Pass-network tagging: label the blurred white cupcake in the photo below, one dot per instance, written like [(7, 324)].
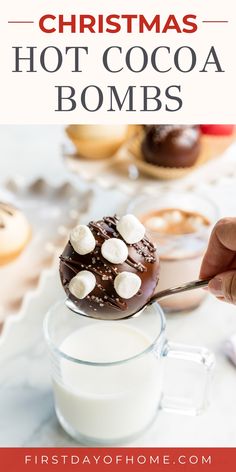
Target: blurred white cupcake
[(97, 141), (15, 232)]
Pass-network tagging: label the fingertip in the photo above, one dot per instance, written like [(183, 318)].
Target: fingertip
[(215, 286)]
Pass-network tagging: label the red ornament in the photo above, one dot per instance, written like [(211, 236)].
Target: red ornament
[(217, 130)]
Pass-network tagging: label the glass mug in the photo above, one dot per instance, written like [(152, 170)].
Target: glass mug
[(108, 375), (180, 255)]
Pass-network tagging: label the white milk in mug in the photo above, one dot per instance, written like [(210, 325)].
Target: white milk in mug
[(108, 375), (116, 398)]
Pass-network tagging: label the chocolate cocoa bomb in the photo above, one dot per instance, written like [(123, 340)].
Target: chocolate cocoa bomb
[(171, 145), (142, 260)]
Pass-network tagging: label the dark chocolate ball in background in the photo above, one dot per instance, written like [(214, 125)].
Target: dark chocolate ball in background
[(171, 145), (142, 260)]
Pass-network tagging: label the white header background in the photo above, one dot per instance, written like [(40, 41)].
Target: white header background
[(32, 97)]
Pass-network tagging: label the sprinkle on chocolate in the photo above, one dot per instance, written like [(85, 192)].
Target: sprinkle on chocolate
[(142, 260)]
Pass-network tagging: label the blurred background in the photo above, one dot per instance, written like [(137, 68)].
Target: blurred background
[(179, 180)]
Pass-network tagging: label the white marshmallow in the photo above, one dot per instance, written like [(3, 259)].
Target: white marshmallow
[(127, 284), (156, 223), (82, 240), (173, 217), (130, 229), (82, 284), (196, 222), (114, 250)]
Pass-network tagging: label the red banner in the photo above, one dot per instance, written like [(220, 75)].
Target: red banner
[(118, 459)]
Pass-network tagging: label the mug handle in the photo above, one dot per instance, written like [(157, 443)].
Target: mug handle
[(198, 355)]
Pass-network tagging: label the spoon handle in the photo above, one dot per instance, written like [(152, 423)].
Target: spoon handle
[(182, 288)]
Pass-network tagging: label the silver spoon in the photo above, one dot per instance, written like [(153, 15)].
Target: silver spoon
[(158, 296)]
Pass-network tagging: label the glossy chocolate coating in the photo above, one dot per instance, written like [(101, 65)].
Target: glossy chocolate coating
[(142, 260), (171, 145)]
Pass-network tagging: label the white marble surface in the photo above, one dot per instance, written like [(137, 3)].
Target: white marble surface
[(27, 416)]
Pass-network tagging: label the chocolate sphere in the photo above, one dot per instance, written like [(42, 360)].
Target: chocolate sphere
[(171, 145), (142, 260)]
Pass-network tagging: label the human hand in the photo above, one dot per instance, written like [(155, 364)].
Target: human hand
[(219, 261)]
